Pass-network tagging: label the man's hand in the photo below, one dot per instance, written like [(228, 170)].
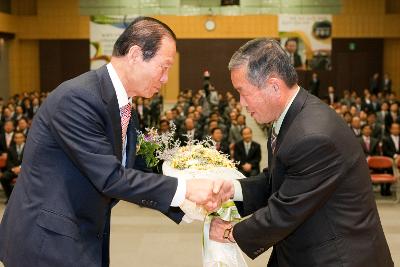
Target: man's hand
[(247, 167), (224, 189), (16, 170), (221, 231), (201, 191), (209, 193)]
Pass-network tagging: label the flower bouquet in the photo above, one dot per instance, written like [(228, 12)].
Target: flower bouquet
[(199, 160)]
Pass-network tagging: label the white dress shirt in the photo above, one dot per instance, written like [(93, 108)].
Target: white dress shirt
[(9, 138), (395, 141), (238, 195), (247, 146), (123, 100)]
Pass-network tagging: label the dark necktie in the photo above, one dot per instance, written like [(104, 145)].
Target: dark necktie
[(367, 144), (273, 139)]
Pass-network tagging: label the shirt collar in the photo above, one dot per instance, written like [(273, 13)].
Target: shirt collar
[(278, 123), (122, 96)]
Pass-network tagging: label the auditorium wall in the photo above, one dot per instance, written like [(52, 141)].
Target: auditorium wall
[(60, 20)]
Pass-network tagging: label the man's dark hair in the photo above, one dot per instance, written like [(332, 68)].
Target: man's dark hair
[(23, 119), (365, 125), (215, 129), (290, 40), (264, 58), (210, 121), (144, 32), (18, 132), (164, 121), (244, 128)]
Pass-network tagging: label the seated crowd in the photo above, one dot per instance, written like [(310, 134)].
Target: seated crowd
[(374, 119), (195, 116)]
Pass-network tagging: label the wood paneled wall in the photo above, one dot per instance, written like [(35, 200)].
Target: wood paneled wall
[(391, 61), (24, 66), (61, 60), (7, 23)]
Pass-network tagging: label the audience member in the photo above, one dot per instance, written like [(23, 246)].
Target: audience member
[(14, 160), (248, 153), (369, 144)]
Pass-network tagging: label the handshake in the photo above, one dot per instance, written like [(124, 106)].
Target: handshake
[(209, 194)]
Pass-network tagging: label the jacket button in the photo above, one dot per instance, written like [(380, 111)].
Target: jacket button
[(98, 236)]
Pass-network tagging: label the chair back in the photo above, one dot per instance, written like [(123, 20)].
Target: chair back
[(3, 162), (380, 162)]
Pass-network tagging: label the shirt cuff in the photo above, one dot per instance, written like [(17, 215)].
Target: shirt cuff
[(180, 193), (238, 195)]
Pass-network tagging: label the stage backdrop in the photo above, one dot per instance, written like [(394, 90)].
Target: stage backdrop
[(314, 38)]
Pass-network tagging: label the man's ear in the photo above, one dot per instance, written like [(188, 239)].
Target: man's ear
[(273, 83), (134, 54)]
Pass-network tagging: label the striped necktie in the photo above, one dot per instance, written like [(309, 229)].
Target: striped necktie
[(125, 117), (273, 139)]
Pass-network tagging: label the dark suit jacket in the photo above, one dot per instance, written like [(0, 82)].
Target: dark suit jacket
[(389, 120), (3, 143), (388, 147), (224, 148), (71, 176), (184, 139), (297, 60), (315, 204), (367, 107), (328, 99), (355, 133), (13, 159), (253, 157), (373, 146), (377, 130), (313, 87)]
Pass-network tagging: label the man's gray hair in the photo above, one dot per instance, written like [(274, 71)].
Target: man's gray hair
[(264, 58)]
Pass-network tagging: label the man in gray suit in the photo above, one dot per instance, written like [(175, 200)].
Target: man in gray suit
[(314, 204), (80, 158)]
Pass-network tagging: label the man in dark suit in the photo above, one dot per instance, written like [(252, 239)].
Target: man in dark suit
[(377, 129), (392, 116), (313, 87), (331, 97), (386, 84), (189, 132), (14, 160), (221, 145), (391, 148), (80, 158), (369, 144), (248, 153), (356, 126), (315, 203), (291, 50), (7, 137)]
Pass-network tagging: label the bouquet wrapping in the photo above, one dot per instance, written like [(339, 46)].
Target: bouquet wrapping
[(198, 162)]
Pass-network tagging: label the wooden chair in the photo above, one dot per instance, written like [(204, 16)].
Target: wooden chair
[(379, 166), (3, 162)]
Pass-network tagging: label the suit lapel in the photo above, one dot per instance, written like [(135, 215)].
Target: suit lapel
[(294, 109), (250, 150), (110, 99)]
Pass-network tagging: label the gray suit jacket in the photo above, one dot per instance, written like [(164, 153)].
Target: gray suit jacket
[(71, 177), (314, 204)]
